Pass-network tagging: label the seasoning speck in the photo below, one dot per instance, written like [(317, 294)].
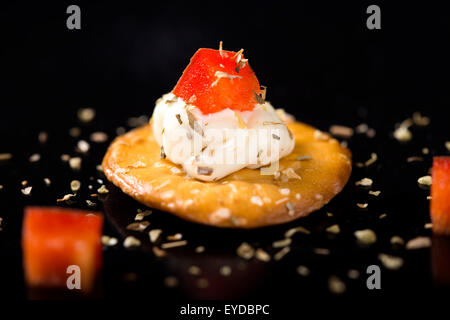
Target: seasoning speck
[(336, 285), (176, 236), (204, 171), (424, 181), (341, 131), (35, 157), (74, 132), (75, 185), (289, 233), (362, 128), (174, 244), (109, 241), (290, 207), (225, 271), (83, 146), (362, 205), (158, 252), (256, 200), (42, 137), (27, 191), (282, 243), (280, 254), (154, 235), (90, 203), (262, 255), (390, 262), (420, 120), (75, 163), (353, 274), (245, 251), (200, 249), (413, 159), (290, 173), (322, 251), (374, 193), (418, 243), (138, 226), (171, 282), (195, 270), (65, 157), (179, 119), (202, 283), (66, 197), (102, 190), (86, 115), (397, 241), (131, 241), (366, 236), (365, 182), (304, 158), (335, 229), (142, 214), (319, 135), (402, 134), (303, 271), (5, 156), (98, 137)]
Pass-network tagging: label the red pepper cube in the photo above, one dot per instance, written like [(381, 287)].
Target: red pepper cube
[(54, 239), (440, 195), (215, 80)]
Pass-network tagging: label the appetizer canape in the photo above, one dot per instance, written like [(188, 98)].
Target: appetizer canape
[(217, 153)]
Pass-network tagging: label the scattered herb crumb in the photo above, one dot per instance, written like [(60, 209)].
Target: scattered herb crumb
[(364, 182), (225, 271), (75, 163), (390, 262), (262, 255), (131, 241), (154, 235), (27, 191), (245, 251), (109, 241), (336, 285), (102, 190), (75, 185), (366, 236), (425, 181), (335, 229), (418, 243), (303, 271)]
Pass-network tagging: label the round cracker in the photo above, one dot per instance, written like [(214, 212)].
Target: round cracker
[(244, 199)]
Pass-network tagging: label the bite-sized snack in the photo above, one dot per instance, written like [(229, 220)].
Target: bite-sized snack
[(56, 242), (440, 195), (216, 113)]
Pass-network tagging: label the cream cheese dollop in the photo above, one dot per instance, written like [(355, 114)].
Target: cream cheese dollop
[(212, 146)]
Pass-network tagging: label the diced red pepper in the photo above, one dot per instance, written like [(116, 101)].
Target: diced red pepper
[(440, 195), (213, 81), (54, 239)]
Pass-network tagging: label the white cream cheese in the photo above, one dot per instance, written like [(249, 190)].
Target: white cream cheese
[(212, 146)]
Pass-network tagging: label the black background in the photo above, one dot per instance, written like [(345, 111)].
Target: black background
[(317, 58)]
